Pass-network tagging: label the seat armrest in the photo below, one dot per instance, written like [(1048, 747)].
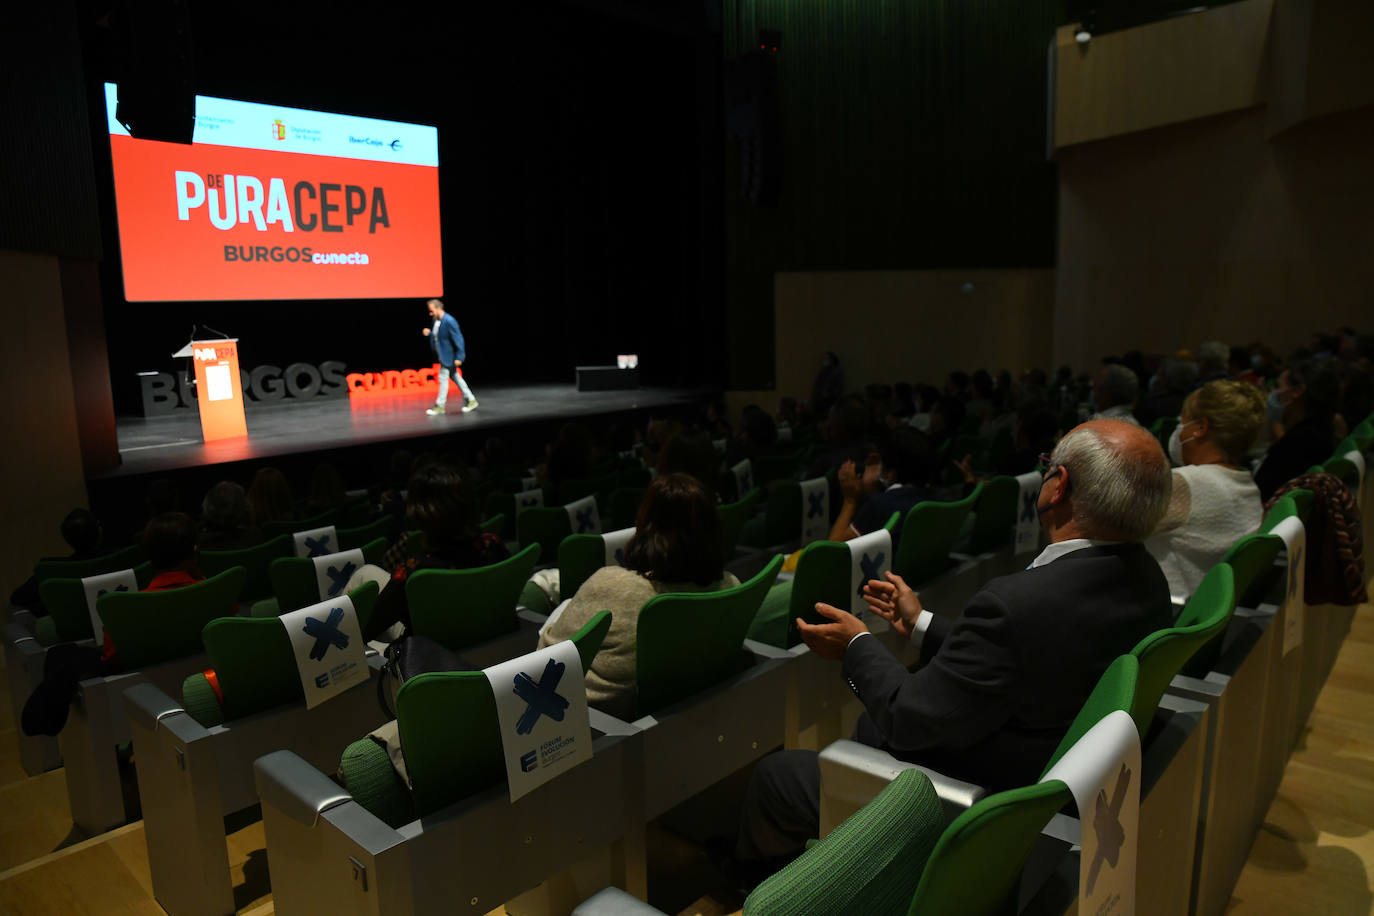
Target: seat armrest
[(294, 787), (148, 706), (764, 651), (609, 725), (21, 639), (528, 618), (22, 617), (852, 774), (612, 901)]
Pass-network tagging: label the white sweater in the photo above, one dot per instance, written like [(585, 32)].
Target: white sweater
[(1210, 509)]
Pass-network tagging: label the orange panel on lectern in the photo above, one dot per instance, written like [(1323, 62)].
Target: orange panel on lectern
[(219, 390)]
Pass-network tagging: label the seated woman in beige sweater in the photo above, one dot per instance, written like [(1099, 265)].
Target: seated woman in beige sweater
[(676, 547)]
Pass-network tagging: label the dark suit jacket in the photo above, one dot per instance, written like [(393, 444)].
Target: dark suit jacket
[(447, 344), (1000, 685)]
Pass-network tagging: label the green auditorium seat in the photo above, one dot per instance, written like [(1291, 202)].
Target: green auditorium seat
[(543, 526), (733, 516), (687, 642), (294, 585), (256, 561), (384, 527), (69, 619), (127, 558), (327, 517), (927, 535), (460, 608), (448, 728), (994, 515), (152, 627)]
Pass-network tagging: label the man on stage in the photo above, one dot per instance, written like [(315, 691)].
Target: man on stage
[(446, 340)]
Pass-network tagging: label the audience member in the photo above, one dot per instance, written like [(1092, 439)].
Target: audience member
[(691, 452), (327, 490), (1168, 387), (891, 481), (676, 547), (270, 497), (1001, 684), (1214, 499), (226, 519), (846, 428), (83, 534), (828, 387), (169, 543), (440, 504), (1212, 359), (1301, 411), (1240, 368), (1114, 393)]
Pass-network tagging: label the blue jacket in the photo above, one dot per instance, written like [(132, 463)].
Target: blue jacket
[(448, 343)]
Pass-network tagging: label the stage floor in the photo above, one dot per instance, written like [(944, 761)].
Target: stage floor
[(159, 444)]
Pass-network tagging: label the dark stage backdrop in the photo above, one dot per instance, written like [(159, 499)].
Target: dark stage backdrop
[(913, 136), (581, 187)]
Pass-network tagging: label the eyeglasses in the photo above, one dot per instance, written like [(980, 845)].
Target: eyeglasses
[(1043, 463)]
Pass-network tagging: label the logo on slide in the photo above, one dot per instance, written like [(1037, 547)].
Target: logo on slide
[(205, 354), (529, 761), (396, 146), (541, 697), (278, 130), (326, 633)]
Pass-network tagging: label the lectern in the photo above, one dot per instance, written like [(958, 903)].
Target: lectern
[(219, 389)]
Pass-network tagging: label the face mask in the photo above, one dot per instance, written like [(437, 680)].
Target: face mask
[(1256, 361), (1273, 407), (1176, 444)]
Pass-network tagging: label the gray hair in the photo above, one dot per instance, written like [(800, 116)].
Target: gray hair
[(1114, 494), (1213, 354), (1118, 385)]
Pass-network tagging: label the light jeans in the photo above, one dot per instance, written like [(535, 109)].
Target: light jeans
[(444, 373)]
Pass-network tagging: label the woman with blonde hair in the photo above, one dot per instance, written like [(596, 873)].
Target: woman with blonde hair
[(1215, 500)]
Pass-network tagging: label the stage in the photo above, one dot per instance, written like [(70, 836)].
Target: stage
[(162, 444)]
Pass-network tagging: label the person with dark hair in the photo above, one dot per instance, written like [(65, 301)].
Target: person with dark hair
[(226, 519), (1037, 428), (676, 547), (441, 505), (829, 384), (83, 534), (571, 456), (326, 489), (891, 481), (690, 452), (1302, 410), (270, 497), (170, 544), (846, 427)]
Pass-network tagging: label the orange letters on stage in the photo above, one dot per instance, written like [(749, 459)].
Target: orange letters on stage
[(393, 382), (219, 389)]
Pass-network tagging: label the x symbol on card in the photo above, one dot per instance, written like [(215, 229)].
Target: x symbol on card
[(105, 591), (317, 547), (1111, 835), (817, 501), (871, 567), (338, 578), (1028, 501), (584, 519)]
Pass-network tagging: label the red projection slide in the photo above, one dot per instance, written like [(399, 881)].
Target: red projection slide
[(278, 203)]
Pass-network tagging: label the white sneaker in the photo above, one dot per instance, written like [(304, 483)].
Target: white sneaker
[(471, 405), (436, 411)]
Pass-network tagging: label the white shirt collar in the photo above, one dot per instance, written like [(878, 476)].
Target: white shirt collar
[(1062, 548)]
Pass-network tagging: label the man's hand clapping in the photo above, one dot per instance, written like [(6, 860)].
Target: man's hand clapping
[(895, 602), (829, 640)]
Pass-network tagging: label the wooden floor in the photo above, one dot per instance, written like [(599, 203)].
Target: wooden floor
[(1314, 855)]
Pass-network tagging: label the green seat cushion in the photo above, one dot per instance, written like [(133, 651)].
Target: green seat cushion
[(370, 778), (199, 700)]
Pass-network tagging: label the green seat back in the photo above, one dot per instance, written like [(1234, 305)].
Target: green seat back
[(1345, 470), (866, 865), (500, 504), (994, 516), (356, 512), (1252, 562), (1302, 501), (976, 865), (366, 534), (459, 608), (65, 600), (495, 525), (1363, 434), (927, 535), (822, 574), (449, 730), (153, 627), (254, 662), (293, 578), (579, 555), (1163, 653), (1115, 692), (1284, 507), (545, 526), (733, 516), (975, 868), (127, 558), (623, 507), (768, 468), (256, 561), (687, 642), (599, 486), (289, 527)]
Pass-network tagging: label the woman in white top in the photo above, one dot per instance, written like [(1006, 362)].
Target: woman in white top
[(1215, 501)]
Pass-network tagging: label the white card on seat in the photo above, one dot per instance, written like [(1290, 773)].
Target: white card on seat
[(316, 542), (541, 707), (744, 477), (815, 500), (870, 556), (94, 586), (333, 570), (583, 516), (1102, 770), (615, 542), (1027, 518), (1295, 539), (329, 648)]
